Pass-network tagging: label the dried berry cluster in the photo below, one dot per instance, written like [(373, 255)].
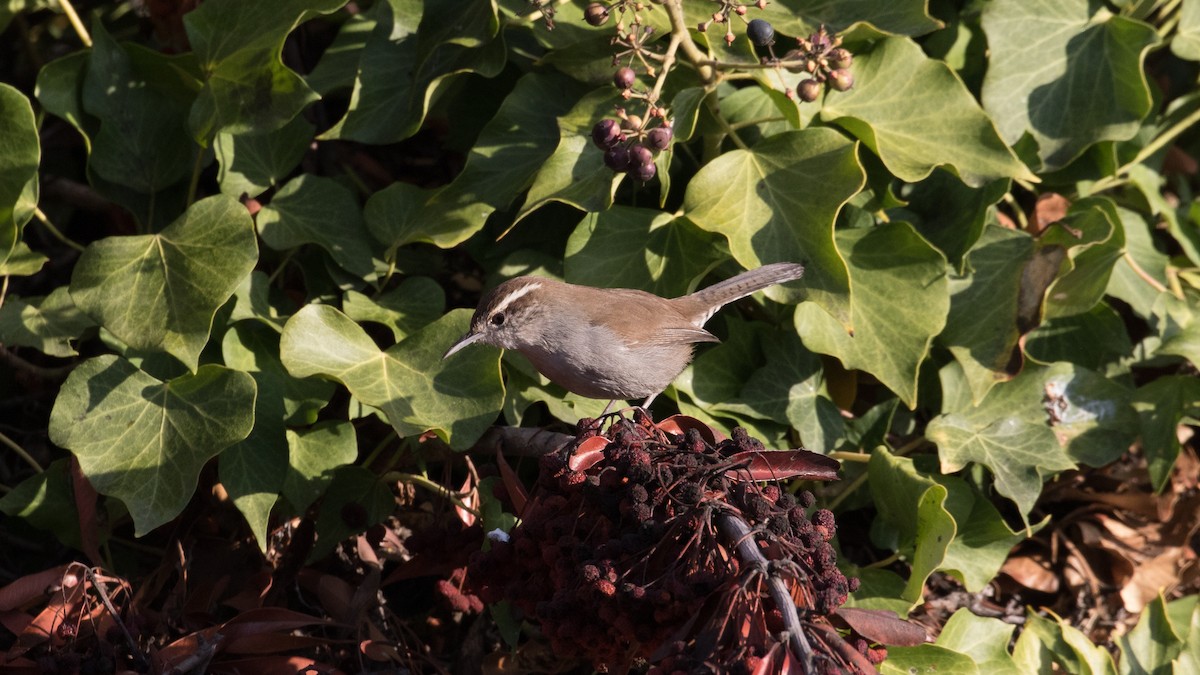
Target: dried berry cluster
[(821, 55), (639, 540)]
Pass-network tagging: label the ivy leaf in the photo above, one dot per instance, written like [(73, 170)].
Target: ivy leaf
[(1129, 284), (647, 249), (1093, 239), (417, 391), (144, 441), (313, 209), (1043, 421), (160, 291), (47, 324), (790, 389), (404, 65), (247, 89), (984, 540), (981, 330), (20, 154), (916, 115), (777, 202), (315, 453), (575, 173), (1186, 43), (1069, 73), (1161, 406), (252, 164), (405, 309), (890, 340), (1019, 454), (141, 99), (914, 506), (949, 214), (510, 150), (46, 501), (253, 470), (984, 639)]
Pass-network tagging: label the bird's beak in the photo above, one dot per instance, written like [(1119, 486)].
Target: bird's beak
[(463, 341)]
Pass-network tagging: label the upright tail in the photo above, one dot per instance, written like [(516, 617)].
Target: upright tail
[(744, 284)]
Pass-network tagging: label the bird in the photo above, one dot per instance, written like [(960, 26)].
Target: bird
[(607, 343)]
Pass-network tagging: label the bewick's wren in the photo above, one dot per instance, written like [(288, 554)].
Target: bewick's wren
[(614, 343)]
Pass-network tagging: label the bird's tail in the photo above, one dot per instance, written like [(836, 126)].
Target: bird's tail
[(744, 284)]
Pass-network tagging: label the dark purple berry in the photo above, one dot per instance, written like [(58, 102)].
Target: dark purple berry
[(624, 78), (606, 134), (595, 14), (640, 154), (809, 90), (617, 158), (659, 138), (841, 79), (760, 32), (642, 172)]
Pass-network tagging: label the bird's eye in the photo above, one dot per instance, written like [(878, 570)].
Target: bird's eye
[(498, 319)]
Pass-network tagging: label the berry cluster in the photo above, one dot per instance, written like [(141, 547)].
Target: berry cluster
[(629, 147), (729, 8), (641, 543), (821, 55)]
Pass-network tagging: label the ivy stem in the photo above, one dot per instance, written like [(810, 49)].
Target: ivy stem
[(21, 453), (194, 182), (884, 562), (73, 17), (41, 216), (1152, 147), (1145, 276), (729, 130), (679, 31), (454, 497)]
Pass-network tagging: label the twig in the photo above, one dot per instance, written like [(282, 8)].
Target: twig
[(21, 453), (73, 17)]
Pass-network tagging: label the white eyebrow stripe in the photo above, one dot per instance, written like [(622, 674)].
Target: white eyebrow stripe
[(515, 295)]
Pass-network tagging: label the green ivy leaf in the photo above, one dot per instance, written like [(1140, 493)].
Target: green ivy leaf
[(1129, 284), (984, 539), (510, 150), (1093, 339), (253, 470), (20, 154), (916, 115), (647, 249), (160, 292), (1041, 422), (314, 456), (904, 17), (1186, 42), (1067, 72), (141, 99), (981, 329), (575, 173), (252, 164), (355, 500), (247, 89), (415, 303), (144, 441), (1153, 644), (927, 660), (777, 202), (913, 505), (1064, 647), (46, 501), (339, 62), (1161, 404), (949, 214), (983, 639), (256, 299), (47, 324), (313, 209), (1093, 239), (412, 385), (890, 340), (22, 262), (404, 65), (789, 389)]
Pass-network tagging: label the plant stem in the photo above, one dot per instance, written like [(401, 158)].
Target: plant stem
[(21, 453), (679, 30), (73, 17), (1145, 276), (454, 497), (41, 216), (1152, 147)]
